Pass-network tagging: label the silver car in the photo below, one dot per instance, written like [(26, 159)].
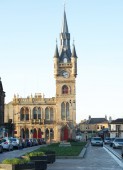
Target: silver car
[(15, 142), (117, 143), (6, 144), (96, 141)]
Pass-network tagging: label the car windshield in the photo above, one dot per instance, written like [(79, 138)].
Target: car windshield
[(107, 138), (96, 139), (119, 140), (13, 139)]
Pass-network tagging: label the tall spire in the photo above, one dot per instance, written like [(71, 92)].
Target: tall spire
[(65, 51), (64, 24)]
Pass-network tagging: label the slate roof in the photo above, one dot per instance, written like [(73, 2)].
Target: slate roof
[(97, 120), (117, 121)]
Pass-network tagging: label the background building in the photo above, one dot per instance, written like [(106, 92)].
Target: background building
[(94, 127)]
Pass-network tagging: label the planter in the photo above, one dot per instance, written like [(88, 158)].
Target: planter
[(51, 156), (40, 162), (27, 166)]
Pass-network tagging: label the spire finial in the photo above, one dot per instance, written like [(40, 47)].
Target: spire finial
[(64, 4), (56, 42), (73, 41)]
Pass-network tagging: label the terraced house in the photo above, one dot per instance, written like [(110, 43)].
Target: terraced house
[(50, 118)]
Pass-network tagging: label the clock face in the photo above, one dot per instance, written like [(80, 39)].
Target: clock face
[(65, 74)]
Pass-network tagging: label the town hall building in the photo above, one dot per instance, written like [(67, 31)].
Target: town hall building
[(51, 118)]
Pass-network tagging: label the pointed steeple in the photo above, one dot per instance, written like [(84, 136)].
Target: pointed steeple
[(65, 51), (64, 24), (1, 86), (74, 52), (56, 55)]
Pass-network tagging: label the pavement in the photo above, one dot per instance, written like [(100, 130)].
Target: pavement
[(91, 158)]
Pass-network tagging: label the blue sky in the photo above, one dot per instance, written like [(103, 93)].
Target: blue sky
[(28, 32)]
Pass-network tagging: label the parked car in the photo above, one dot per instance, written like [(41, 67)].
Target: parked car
[(15, 142), (34, 141), (7, 144), (1, 147), (107, 140), (111, 141), (117, 143), (43, 141), (39, 141), (96, 141), (28, 142)]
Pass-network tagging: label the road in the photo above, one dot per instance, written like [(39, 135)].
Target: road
[(96, 158)]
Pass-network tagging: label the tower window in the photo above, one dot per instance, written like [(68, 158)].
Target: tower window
[(65, 60), (64, 89), (65, 113)]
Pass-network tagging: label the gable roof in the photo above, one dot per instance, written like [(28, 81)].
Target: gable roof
[(97, 120), (117, 121)]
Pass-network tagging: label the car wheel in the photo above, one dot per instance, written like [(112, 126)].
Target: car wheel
[(1, 150), (9, 148), (114, 146)]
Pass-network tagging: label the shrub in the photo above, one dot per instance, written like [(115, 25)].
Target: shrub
[(15, 161), (36, 154)]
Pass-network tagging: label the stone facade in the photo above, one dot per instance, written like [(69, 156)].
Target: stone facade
[(51, 118)]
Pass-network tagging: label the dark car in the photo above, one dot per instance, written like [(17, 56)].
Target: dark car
[(39, 141), (28, 142), (43, 141)]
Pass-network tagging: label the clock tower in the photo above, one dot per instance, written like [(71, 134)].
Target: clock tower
[(65, 72)]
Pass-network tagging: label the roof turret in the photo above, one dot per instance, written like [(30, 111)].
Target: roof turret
[(74, 52), (1, 86), (56, 55)]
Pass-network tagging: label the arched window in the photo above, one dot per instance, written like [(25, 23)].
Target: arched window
[(26, 114), (67, 111), (65, 60), (39, 113), (22, 114), (51, 114), (64, 89), (63, 111), (35, 113), (47, 116)]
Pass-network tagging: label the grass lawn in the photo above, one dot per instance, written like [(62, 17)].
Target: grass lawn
[(74, 150)]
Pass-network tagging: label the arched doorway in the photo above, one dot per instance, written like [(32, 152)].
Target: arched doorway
[(35, 133), (47, 134), (64, 133), (27, 133), (39, 133)]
